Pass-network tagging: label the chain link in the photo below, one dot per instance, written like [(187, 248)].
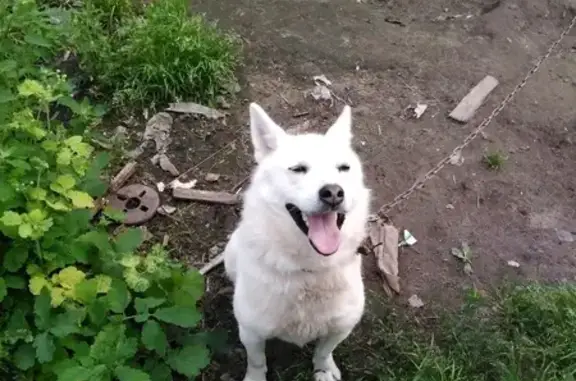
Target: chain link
[(418, 184)]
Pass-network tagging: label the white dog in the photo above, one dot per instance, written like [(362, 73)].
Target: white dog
[(293, 261)]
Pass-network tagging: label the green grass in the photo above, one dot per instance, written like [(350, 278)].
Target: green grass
[(526, 333), (523, 334), (152, 55), (494, 160)]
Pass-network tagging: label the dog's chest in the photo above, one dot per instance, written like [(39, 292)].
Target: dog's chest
[(310, 314), (303, 309)]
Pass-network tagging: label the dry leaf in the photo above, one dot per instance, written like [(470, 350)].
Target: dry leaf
[(384, 239)]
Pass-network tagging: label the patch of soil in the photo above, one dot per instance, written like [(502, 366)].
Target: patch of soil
[(382, 57)]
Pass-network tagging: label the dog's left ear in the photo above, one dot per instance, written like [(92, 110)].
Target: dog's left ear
[(341, 130)]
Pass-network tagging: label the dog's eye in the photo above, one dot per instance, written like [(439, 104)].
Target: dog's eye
[(343, 168), (299, 169)]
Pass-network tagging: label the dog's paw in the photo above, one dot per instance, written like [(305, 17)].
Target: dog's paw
[(326, 370), (255, 374), (326, 375)]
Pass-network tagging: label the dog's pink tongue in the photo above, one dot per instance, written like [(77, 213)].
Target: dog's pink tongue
[(324, 233)]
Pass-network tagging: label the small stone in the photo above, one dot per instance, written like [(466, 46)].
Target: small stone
[(415, 302), (146, 235), (513, 264), (223, 102), (321, 92), (564, 236), (419, 109), (457, 159), (212, 177), (166, 209), (214, 250)]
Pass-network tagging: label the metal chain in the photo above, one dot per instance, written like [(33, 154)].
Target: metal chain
[(382, 213)]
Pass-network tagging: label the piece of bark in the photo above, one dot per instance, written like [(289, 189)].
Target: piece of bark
[(206, 196), (384, 239), (167, 165), (195, 108), (474, 99), (122, 177)]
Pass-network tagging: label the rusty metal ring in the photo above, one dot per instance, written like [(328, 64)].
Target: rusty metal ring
[(139, 203)]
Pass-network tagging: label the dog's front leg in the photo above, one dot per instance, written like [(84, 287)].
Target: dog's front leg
[(255, 346), (325, 368)]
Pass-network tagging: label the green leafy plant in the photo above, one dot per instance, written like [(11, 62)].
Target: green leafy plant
[(77, 304)]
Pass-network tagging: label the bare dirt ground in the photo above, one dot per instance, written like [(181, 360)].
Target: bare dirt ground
[(382, 57)]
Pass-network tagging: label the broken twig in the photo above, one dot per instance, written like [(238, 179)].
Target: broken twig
[(214, 262), (195, 108), (206, 196)]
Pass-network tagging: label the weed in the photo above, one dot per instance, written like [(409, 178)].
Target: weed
[(465, 255), (113, 13), (494, 160), (163, 55)]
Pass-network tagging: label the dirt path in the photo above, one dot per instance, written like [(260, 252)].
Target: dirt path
[(382, 57)]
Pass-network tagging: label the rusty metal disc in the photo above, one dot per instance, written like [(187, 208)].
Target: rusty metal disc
[(139, 203)]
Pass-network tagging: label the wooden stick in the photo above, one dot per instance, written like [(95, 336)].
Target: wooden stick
[(214, 262), (240, 184), (122, 177), (116, 183), (206, 196)]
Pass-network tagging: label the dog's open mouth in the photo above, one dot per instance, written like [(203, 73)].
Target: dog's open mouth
[(323, 229)]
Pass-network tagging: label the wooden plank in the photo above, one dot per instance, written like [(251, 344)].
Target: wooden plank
[(474, 99), (206, 196)]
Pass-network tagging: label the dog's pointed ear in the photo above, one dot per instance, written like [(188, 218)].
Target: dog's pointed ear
[(266, 135), (341, 130)]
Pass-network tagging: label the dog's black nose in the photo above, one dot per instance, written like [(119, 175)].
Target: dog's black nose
[(331, 194)]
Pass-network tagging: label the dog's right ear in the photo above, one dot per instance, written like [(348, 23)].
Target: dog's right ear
[(266, 135)]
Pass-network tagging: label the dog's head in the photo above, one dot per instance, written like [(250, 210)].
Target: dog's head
[(317, 179)]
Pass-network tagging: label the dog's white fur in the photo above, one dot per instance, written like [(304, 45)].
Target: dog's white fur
[(282, 287)]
